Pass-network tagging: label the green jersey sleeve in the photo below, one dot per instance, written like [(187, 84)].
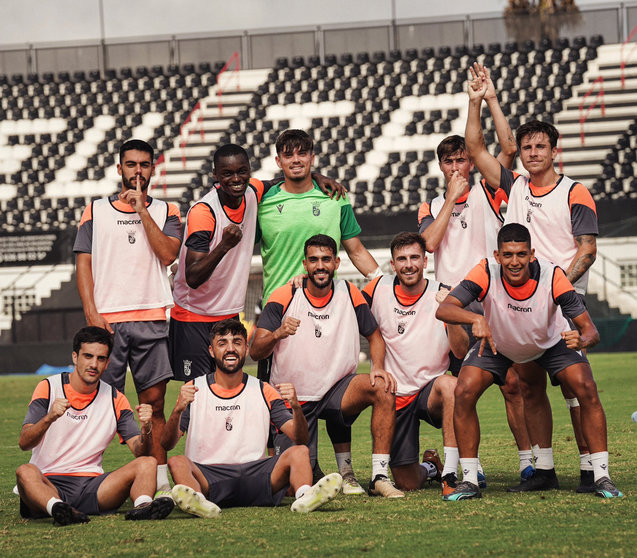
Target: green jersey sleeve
[(349, 225)]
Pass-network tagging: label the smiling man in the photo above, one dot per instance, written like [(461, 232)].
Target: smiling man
[(525, 302), (227, 415), (418, 347), (313, 334), (214, 261), (560, 214), (71, 420), (123, 246)]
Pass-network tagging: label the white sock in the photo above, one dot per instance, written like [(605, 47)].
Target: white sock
[(585, 462), (344, 462), (526, 459), (469, 469), (599, 461), (543, 458), (480, 469), (142, 500), (49, 505), (430, 469), (162, 477), (380, 464), (451, 460), (301, 490)]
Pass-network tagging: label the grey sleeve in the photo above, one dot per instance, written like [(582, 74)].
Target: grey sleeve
[(507, 178), (127, 428), (38, 408), (466, 292), (84, 238), (279, 413)]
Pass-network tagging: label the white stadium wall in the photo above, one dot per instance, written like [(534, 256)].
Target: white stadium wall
[(69, 35)]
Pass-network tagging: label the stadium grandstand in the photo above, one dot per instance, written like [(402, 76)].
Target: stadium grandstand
[(377, 96)]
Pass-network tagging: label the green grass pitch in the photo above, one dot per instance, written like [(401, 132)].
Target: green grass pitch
[(557, 523)]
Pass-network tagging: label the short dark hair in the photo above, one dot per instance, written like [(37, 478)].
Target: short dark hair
[(403, 239), (450, 145), (323, 241), (92, 334), (514, 232), (137, 145), (231, 325), (229, 150), (536, 127), (289, 140)]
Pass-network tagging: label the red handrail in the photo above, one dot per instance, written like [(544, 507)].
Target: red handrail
[(236, 58), (161, 165), (600, 94), (621, 55), (186, 136)]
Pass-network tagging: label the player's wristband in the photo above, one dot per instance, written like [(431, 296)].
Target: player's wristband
[(373, 274)]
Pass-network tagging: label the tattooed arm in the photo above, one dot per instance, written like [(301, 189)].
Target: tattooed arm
[(584, 257)]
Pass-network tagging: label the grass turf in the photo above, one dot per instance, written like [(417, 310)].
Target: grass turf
[(556, 523)]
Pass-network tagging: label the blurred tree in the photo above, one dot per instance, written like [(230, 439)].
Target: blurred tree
[(539, 19)]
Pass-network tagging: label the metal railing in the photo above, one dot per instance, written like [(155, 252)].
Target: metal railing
[(605, 268)]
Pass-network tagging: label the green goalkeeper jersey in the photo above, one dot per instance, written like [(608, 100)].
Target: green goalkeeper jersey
[(287, 220)]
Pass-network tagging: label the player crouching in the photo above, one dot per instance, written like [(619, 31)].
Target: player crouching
[(227, 415), (525, 302), (71, 420)]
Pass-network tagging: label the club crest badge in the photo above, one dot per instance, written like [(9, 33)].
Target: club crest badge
[(317, 331), (131, 236), (228, 424), (187, 367), (316, 209), (463, 222), (401, 327), (528, 215)]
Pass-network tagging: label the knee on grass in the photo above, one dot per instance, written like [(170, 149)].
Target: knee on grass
[(26, 473), (297, 455)]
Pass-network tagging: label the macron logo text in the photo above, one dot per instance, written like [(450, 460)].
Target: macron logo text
[(227, 407), (519, 308), (129, 221)]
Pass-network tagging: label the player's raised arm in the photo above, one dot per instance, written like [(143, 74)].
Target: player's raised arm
[(142, 444), (200, 266), (295, 429), (265, 340), (508, 147), (171, 434), (32, 434), (486, 163)]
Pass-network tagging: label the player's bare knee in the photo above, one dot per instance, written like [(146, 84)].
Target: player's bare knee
[(146, 464), (26, 473), (464, 395), (299, 453), (511, 389), (177, 462), (587, 393), (446, 385)]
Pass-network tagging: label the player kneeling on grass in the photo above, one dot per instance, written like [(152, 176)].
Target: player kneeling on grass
[(525, 302), (71, 420), (417, 355), (227, 415)]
